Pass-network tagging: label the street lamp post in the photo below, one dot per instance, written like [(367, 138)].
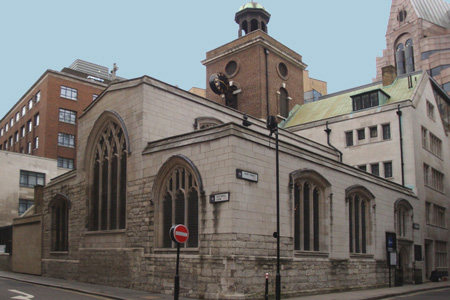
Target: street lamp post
[(272, 125)]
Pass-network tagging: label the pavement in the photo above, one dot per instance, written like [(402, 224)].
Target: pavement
[(129, 294)]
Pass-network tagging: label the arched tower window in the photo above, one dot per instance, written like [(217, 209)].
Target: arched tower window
[(284, 103), (108, 170), (59, 212), (360, 219), (178, 188), (400, 59), (310, 226), (254, 25), (409, 56)]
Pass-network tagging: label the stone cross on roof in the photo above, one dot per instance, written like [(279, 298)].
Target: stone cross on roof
[(113, 71)]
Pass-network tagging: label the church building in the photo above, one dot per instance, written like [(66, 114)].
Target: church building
[(151, 155)]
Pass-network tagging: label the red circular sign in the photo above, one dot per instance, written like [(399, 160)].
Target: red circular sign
[(180, 234)]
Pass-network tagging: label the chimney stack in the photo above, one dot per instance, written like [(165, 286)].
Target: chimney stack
[(389, 74)]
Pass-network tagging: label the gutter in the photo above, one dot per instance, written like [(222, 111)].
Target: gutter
[(399, 114), (328, 131)]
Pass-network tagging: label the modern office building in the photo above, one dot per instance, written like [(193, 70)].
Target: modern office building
[(394, 129), (418, 38), (44, 121)]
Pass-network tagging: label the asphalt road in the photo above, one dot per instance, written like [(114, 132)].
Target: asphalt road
[(430, 295), (11, 289)]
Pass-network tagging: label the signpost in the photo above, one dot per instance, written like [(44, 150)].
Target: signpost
[(179, 234), (391, 252)]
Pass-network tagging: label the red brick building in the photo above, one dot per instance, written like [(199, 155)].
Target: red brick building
[(264, 76), (44, 121)]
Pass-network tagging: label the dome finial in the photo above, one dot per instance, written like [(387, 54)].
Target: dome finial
[(252, 16)]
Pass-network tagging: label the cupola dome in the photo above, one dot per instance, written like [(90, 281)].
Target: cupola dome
[(252, 16)]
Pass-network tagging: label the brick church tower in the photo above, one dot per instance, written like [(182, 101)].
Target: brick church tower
[(263, 77)]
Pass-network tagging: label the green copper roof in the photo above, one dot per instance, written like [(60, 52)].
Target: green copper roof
[(251, 5), (341, 103)]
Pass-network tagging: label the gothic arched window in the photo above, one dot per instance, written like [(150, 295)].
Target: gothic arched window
[(360, 219), (59, 212), (178, 188), (309, 211), (403, 219), (108, 186)]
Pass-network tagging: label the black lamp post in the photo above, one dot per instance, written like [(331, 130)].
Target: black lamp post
[(272, 125)]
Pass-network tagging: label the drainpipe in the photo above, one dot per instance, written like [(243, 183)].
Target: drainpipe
[(328, 131), (266, 52), (399, 114)]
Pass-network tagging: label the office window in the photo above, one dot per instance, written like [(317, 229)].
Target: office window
[(1, 131), (349, 138), (17, 117), (29, 126), (437, 180), (29, 148), (424, 138), (363, 167), (441, 254), (430, 110), (37, 97), (67, 116), (24, 110), (386, 131), (36, 120), (69, 93), (375, 169), (24, 205), (30, 104), (373, 132), (11, 122), (435, 145), (66, 140), (361, 134), (16, 136), (388, 169), (11, 141), (30, 179), (6, 127), (439, 216), (22, 131), (36, 142), (370, 99), (65, 163), (6, 145)]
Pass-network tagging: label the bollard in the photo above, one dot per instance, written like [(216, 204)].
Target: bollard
[(267, 287)]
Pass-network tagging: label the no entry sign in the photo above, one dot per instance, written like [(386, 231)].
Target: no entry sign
[(179, 233)]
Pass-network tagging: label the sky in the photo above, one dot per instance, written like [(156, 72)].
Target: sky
[(167, 40)]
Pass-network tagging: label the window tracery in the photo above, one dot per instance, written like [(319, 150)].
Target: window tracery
[(108, 197)]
